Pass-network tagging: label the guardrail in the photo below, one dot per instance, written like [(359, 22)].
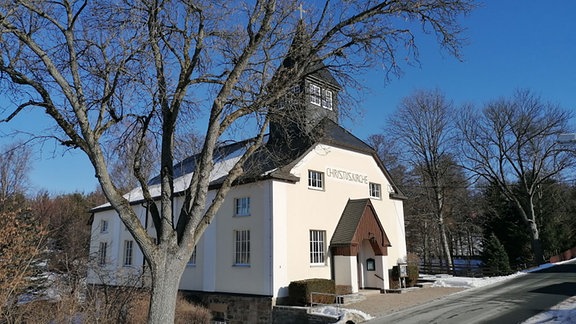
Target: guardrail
[(465, 270), (338, 300), (566, 255)]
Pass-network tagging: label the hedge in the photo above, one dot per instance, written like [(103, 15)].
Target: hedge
[(299, 291)]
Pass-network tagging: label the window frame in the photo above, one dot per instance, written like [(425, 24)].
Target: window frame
[(192, 260), (375, 190), (370, 264), (315, 94), (128, 256), (317, 247), (241, 248), (242, 206), (104, 226), (316, 180), (102, 253)]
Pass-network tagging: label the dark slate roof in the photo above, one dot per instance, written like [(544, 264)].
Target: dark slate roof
[(275, 158), (223, 152), (320, 71), (334, 134), (349, 221), (299, 49)]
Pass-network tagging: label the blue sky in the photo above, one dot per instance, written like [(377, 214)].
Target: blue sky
[(512, 44)]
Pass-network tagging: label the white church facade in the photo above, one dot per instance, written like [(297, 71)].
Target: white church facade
[(328, 209), (339, 212)]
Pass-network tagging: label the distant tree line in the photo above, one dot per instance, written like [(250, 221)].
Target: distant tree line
[(480, 178), (44, 239)]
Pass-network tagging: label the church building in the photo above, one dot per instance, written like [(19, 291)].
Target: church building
[(316, 206)]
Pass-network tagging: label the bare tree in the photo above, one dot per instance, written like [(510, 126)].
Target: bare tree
[(22, 241), (512, 144), (386, 147), (14, 168), (144, 66), (423, 126)]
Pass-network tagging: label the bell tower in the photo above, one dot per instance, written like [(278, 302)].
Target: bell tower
[(312, 98)]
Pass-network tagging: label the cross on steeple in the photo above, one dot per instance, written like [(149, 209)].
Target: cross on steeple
[(302, 11)]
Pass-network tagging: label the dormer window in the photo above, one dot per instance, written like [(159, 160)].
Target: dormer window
[(320, 97), (315, 95), (327, 99)]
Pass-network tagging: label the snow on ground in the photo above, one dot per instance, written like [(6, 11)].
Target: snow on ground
[(466, 282), (564, 312), (342, 314)]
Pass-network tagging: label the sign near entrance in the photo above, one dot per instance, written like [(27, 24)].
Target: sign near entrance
[(346, 175)]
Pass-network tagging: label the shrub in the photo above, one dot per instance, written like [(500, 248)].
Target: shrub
[(186, 312), (394, 276), (412, 275), (299, 291), (189, 313)]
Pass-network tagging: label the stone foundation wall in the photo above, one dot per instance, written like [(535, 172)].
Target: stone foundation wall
[(235, 309), (299, 315)]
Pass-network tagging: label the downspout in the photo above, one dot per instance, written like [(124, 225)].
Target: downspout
[(143, 257), (271, 235)]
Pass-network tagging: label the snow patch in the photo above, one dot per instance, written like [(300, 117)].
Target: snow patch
[(564, 312), (343, 314)]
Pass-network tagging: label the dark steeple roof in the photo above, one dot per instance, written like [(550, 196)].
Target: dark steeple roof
[(300, 49)]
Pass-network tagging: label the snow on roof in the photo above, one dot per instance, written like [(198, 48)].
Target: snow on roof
[(267, 161), (221, 169)]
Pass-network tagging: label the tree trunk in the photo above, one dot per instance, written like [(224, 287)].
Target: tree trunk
[(535, 242), (165, 283), (444, 242)]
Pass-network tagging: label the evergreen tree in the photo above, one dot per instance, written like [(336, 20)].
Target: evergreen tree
[(495, 257), (501, 218)]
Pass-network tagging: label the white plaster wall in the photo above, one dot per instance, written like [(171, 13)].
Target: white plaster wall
[(346, 271), (382, 269), (310, 209), (105, 274), (255, 278), (370, 280), (201, 276), (280, 238)]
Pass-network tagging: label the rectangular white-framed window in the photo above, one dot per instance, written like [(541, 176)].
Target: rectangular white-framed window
[(327, 99), (375, 190), (315, 95), (103, 226), (128, 252), (317, 247), (192, 260), (242, 206), (315, 179), (241, 247), (102, 250)]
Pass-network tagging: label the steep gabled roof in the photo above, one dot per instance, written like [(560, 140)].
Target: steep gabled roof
[(348, 222), (301, 48), (359, 222), (272, 160)]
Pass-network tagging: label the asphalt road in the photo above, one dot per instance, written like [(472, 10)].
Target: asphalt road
[(511, 301)]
